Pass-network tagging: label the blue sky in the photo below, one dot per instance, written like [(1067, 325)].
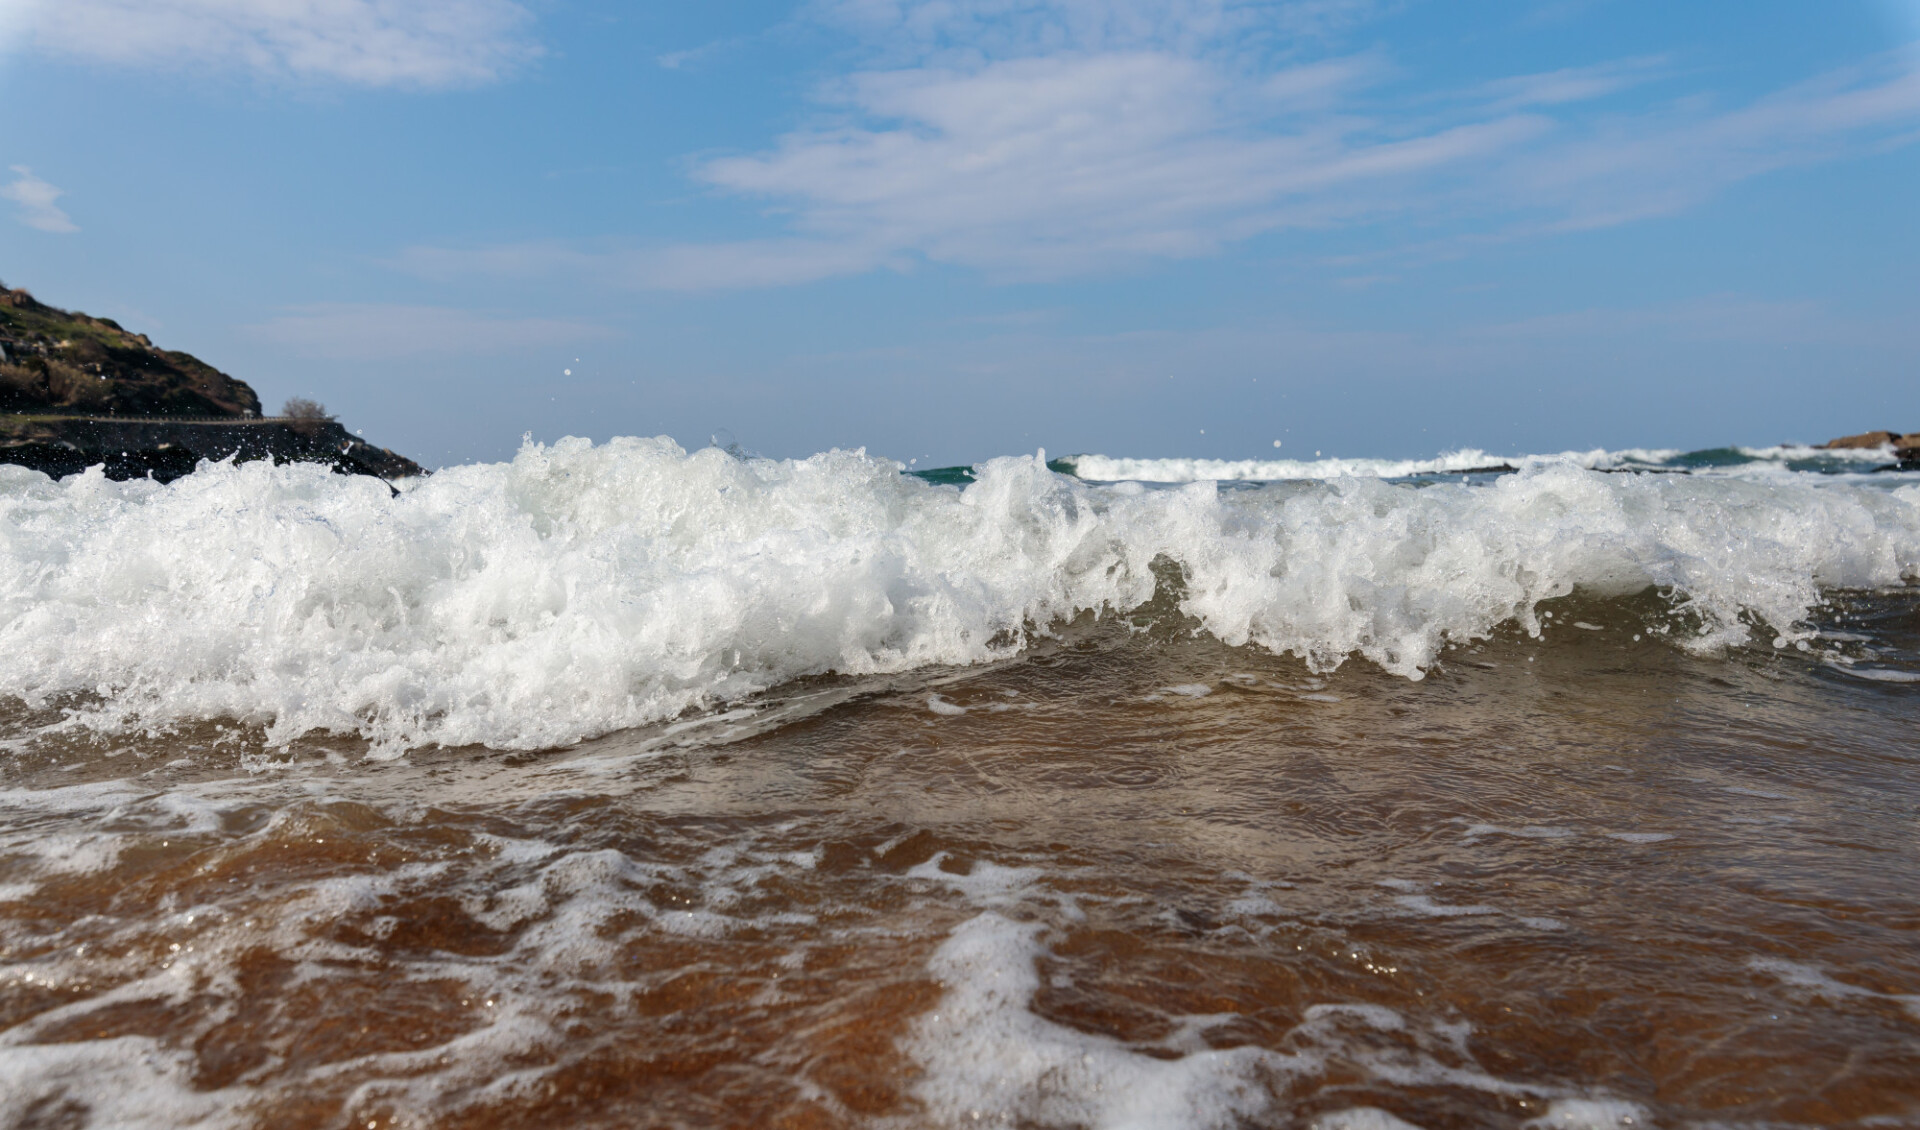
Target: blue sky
[(949, 229)]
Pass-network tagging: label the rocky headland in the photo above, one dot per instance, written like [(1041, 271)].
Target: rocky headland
[(1903, 447), (78, 391)]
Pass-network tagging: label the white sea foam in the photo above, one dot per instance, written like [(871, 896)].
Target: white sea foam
[(1591, 1114), (581, 589), (1530, 832), (1814, 982), (989, 1059), (570, 912), (1361, 1118), (132, 1081), (1881, 674), (940, 705), (1424, 904)]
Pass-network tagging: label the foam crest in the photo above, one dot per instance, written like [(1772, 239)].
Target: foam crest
[(1106, 468), (582, 589)]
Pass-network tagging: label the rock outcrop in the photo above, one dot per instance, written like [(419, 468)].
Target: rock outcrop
[(55, 361), (1861, 441), (76, 391), (132, 449), (1905, 447)]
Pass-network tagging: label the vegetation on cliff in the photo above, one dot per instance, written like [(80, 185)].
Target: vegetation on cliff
[(60, 362), (78, 391)]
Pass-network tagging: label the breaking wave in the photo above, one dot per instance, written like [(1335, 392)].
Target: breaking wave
[(581, 589)]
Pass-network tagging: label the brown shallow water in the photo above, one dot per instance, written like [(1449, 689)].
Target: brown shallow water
[(1127, 879)]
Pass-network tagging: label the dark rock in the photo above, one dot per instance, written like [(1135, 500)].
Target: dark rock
[(78, 391), (132, 449), (59, 460)]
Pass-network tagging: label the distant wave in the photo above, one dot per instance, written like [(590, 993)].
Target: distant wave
[(581, 589), (1724, 460)]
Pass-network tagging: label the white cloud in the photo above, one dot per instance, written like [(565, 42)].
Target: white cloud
[(35, 199), (1047, 138), (1077, 162), (417, 43), (1038, 167), (364, 332)]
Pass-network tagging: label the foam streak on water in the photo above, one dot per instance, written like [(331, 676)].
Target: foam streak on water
[(580, 589)]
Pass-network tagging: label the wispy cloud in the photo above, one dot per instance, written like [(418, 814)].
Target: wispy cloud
[(918, 29), (1047, 138), (1060, 165), (365, 332), (34, 199), (408, 43), (1571, 84), (694, 56), (1660, 162)]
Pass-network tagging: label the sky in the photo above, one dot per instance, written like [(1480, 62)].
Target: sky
[(944, 230)]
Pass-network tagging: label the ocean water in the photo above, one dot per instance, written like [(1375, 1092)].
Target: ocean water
[(619, 785)]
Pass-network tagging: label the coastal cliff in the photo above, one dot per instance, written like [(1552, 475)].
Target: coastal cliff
[(78, 391)]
